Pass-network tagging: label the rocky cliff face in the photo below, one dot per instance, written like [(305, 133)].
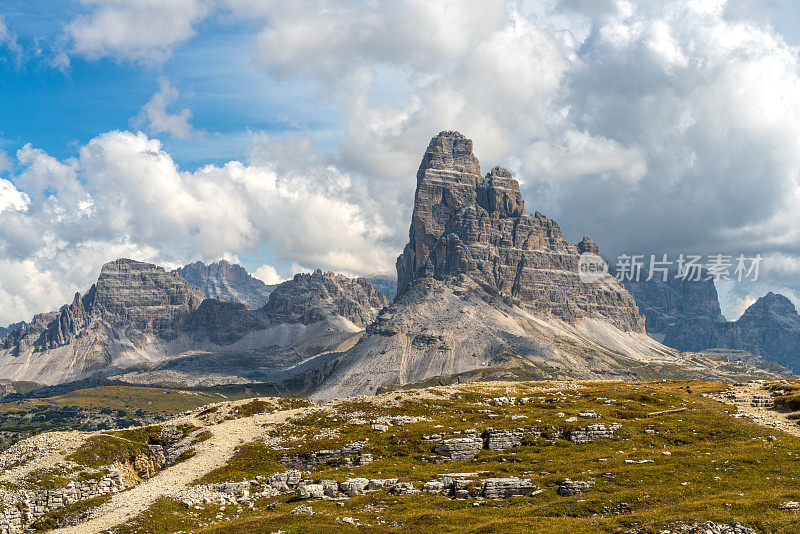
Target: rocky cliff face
[(686, 315), (226, 281), (770, 328), (681, 313), (485, 290), (144, 296), (465, 223), (309, 298), (138, 297), (385, 283), (140, 316)]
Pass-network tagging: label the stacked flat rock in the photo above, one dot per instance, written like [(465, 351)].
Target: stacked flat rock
[(309, 298), (467, 224), (592, 432), (458, 449), (568, 487), (502, 488), (500, 440)]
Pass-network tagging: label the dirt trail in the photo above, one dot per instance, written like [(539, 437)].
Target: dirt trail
[(742, 396), (210, 454)]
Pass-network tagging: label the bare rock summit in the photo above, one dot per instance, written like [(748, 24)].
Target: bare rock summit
[(226, 281), (467, 224), (312, 297)]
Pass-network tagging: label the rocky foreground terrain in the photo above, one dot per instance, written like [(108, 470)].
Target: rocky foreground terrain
[(664, 456)]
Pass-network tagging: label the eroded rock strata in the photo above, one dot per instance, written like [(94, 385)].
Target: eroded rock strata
[(311, 297), (226, 281), (468, 224)]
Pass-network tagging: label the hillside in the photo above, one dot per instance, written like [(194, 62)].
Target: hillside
[(500, 457)]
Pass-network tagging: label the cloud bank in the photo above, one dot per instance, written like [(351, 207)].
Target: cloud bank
[(656, 127)]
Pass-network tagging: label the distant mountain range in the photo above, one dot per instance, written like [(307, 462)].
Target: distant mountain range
[(686, 315), (483, 290), (227, 282)]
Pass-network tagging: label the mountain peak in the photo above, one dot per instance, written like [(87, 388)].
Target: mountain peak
[(311, 297), (774, 303), (226, 281), (464, 224)]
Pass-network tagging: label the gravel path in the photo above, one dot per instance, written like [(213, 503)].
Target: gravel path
[(210, 454), (742, 395)]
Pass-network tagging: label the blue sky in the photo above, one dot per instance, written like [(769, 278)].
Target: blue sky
[(59, 108), (287, 135)]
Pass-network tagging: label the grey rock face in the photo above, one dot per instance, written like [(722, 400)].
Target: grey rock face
[(142, 295), (139, 297), (502, 488), (592, 432), (309, 298), (385, 283), (770, 327), (459, 449), (500, 440), (223, 322), (682, 313), (568, 487), (686, 315), (226, 281), (467, 224)]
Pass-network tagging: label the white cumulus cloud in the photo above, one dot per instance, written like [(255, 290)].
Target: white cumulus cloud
[(268, 274), (134, 30), (157, 118)]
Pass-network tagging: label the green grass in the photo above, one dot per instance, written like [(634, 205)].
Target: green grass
[(104, 450), (129, 398), (731, 470)]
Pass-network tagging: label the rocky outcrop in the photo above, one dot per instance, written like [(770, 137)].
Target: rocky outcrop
[(25, 507), (137, 297), (459, 449), (568, 488), (682, 313), (226, 281), (385, 283), (770, 328), (142, 295), (312, 297), (467, 224), (223, 322)]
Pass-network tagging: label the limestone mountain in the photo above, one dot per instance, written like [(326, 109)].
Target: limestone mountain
[(145, 325), (770, 327), (680, 312), (685, 314), (226, 281), (385, 283), (486, 289), (311, 297), (467, 224)]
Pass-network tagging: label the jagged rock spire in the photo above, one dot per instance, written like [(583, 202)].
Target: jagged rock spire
[(465, 224)]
